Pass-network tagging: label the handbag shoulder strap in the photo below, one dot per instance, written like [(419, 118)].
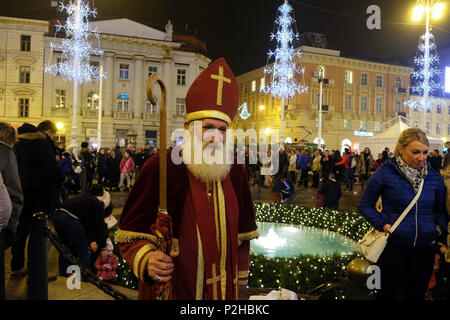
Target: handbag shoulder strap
[(413, 202)]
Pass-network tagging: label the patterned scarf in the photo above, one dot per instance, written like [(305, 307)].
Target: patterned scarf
[(414, 175)]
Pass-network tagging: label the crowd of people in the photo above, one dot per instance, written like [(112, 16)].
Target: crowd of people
[(112, 168), (39, 175), (318, 169)]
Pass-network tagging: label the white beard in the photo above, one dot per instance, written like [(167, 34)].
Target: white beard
[(205, 172), (209, 172)]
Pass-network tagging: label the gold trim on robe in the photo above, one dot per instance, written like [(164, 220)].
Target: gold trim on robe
[(200, 269), (223, 238), (124, 236), (247, 236), (137, 263)]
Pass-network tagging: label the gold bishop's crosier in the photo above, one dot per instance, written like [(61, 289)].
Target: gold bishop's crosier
[(162, 228)]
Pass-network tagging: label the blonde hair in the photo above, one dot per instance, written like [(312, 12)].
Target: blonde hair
[(8, 134), (408, 136)]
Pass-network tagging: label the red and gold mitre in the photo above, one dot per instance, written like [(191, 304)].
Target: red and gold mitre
[(213, 94)]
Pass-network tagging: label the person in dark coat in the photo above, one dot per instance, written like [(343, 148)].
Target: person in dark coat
[(331, 189), (327, 163), (80, 226), (87, 167), (11, 180), (407, 261), (147, 151), (284, 164), (65, 165), (436, 160), (102, 167), (139, 160), (41, 181), (113, 171)]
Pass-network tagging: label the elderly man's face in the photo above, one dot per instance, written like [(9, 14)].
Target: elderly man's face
[(212, 129)]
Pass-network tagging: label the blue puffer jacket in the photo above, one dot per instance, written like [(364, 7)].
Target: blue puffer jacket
[(418, 228)]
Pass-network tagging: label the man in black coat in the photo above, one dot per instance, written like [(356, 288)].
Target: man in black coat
[(436, 160), (113, 171), (332, 191), (41, 180)]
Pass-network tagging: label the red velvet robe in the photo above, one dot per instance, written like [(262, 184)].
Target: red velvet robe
[(214, 260)]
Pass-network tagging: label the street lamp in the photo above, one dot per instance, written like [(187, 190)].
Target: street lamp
[(320, 75), (436, 8), (59, 125)]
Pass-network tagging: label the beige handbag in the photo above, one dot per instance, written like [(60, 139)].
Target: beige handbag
[(374, 241)]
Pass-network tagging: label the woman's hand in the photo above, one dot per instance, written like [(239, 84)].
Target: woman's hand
[(386, 228)]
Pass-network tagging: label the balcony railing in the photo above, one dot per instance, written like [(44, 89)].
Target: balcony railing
[(123, 115), (89, 113), (150, 116)]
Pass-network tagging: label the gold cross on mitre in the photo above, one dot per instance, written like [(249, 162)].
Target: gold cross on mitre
[(220, 77), (213, 280)]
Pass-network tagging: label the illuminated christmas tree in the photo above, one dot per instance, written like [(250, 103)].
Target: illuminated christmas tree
[(76, 50), (284, 68), (425, 80)]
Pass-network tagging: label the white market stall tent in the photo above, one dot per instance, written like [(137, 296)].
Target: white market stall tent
[(389, 138)]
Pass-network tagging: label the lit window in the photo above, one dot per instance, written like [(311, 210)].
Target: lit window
[(181, 77), (253, 85), (363, 104), (180, 107), (363, 125), (379, 81), (348, 101), (124, 71), (60, 98), (123, 102), (24, 106), (93, 101), (379, 104), (377, 127), (364, 79), (150, 108), (25, 43), (347, 124), (262, 83), (349, 77), (24, 74)]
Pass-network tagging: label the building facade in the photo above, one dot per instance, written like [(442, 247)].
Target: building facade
[(359, 99), (21, 69), (131, 53)]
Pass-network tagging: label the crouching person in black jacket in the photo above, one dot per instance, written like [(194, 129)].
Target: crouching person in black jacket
[(80, 226)]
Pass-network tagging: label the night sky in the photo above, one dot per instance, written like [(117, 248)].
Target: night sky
[(240, 30)]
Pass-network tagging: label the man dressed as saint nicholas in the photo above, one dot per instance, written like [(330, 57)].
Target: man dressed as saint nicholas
[(210, 204)]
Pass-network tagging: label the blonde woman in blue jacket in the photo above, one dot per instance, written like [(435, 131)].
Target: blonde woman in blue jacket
[(408, 258)]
